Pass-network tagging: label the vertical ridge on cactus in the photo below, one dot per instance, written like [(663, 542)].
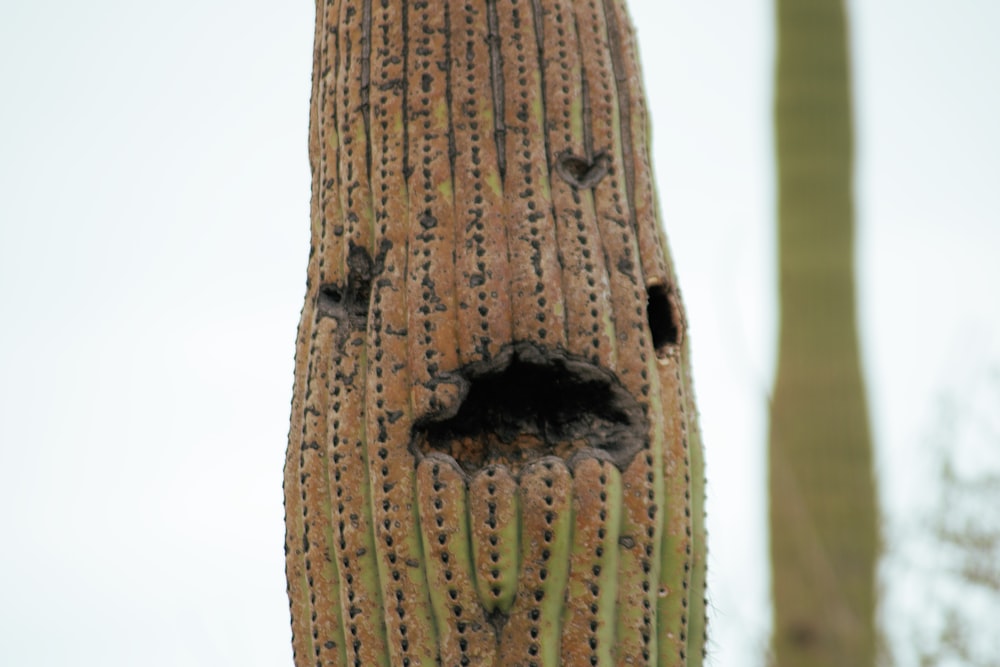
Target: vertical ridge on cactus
[(464, 633), (493, 512), (493, 456)]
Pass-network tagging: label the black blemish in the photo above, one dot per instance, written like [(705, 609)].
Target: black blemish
[(663, 316), (580, 172), (802, 634), (428, 221), (498, 620), (531, 402)]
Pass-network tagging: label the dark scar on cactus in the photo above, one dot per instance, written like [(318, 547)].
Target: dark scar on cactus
[(528, 403), (348, 302), (582, 173)]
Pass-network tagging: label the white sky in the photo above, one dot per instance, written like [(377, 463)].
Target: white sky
[(154, 225)]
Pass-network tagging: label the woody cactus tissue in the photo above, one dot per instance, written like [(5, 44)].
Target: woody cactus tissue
[(493, 457)]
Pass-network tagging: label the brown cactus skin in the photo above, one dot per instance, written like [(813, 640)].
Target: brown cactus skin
[(494, 456)]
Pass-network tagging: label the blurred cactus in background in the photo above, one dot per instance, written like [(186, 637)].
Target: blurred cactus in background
[(824, 537), (494, 456)]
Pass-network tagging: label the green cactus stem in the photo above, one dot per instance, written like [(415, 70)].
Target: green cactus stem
[(823, 502)]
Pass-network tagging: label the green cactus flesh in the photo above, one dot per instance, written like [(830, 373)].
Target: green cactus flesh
[(494, 455), (824, 537)]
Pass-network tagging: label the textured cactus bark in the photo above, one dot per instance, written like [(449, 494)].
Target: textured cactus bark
[(823, 503), (494, 455)]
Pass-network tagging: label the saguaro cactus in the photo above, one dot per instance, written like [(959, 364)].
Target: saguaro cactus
[(493, 456), (823, 503)]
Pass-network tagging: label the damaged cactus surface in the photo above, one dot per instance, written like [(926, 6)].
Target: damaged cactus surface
[(493, 457)]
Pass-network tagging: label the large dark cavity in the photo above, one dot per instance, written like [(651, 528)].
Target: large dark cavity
[(536, 403)]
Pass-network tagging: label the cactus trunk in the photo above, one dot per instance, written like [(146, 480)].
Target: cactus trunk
[(823, 507), (494, 455)]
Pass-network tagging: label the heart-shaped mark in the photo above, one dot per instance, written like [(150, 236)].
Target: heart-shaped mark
[(581, 172)]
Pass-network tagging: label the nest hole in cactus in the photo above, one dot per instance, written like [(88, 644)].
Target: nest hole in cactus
[(663, 315), (534, 403)]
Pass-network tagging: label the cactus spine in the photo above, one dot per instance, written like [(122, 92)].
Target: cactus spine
[(494, 455)]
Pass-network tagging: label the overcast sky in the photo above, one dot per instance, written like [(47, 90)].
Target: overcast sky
[(154, 191)]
